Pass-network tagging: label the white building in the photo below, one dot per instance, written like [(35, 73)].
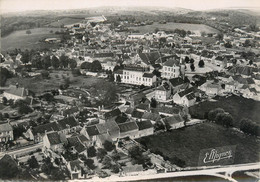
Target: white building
[(136, 75), (171, 68), (15, 93)]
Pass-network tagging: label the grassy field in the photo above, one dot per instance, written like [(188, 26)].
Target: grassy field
[(173, 26), (65, 21), (21, 40), (38, 84), (186, 143), (238, 107)]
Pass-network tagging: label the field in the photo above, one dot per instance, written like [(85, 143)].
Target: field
[(238, 107), (186, 143), (21, 40), (65, 21), (173, 26)]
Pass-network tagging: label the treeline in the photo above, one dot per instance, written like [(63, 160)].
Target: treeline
[(46, 61), (11, 24), (219, 116)]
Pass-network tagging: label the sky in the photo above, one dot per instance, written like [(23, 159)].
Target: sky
[(23, 5)]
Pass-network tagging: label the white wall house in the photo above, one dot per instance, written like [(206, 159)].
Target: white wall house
[(171, 69)]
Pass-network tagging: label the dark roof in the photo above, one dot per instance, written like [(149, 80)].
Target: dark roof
[(172, 62), (187, 91), (167, 110), (46, 127), (92, 130), (142, 125), (103, 55), (148, 75), (149, 58), (129, 110), (173, 119), (121, 119), (74, 141), (112, 113), (129, 126), (143, 106), (151, 116), (190, 96), (54, 138), (68, 122), (176, 81), (137, 114)]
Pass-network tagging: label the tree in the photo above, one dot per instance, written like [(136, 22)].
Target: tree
[(8, 168), (4, 99), (101, 153), (109, 146), (4, 75), (28, 32), (18, 131), (25, 57), (64, 61), (115, 155), (106, 162), (96, 66), (137, 156), (115, 168), (47, 97), (187, 59), (191, 60), (224, 119), (37, 61), (213, 113), (46, 60), (250, 62), (75, 72), (153, 103), (57, 161), (249, 127), (85, 65), (201, 63), (55, 62), (45, 74), (92, 151), (192, 67), (220, 36), (33, 163), (90, 163), (118, 78), (72, 63)]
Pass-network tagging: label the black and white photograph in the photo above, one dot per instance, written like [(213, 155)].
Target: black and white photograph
[(130, 90)]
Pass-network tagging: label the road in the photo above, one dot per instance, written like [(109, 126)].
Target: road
[(20, 151), (227, 170)]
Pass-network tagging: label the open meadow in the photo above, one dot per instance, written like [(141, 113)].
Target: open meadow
[(186, 143), (21, 40), (170, 26), (65, 21)]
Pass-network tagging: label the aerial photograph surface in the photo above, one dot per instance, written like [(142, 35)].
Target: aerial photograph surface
[(130, 90)]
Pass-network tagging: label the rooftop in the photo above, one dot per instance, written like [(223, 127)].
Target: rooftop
[(129, 126)]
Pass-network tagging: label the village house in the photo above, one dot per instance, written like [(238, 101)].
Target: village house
[(131, 170), (153, 117), (174, 122), (211, 89), (136, 75), (145, 128), (6, 132), (129, 129), (77, 145), (54, 141), (161, 93), (110, 128), (77, 170), (185, 98), (172, 68), (90, 132), (36, 133), (102, 138)]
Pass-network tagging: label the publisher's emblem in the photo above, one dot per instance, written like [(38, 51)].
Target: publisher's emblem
[(217, 156)]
